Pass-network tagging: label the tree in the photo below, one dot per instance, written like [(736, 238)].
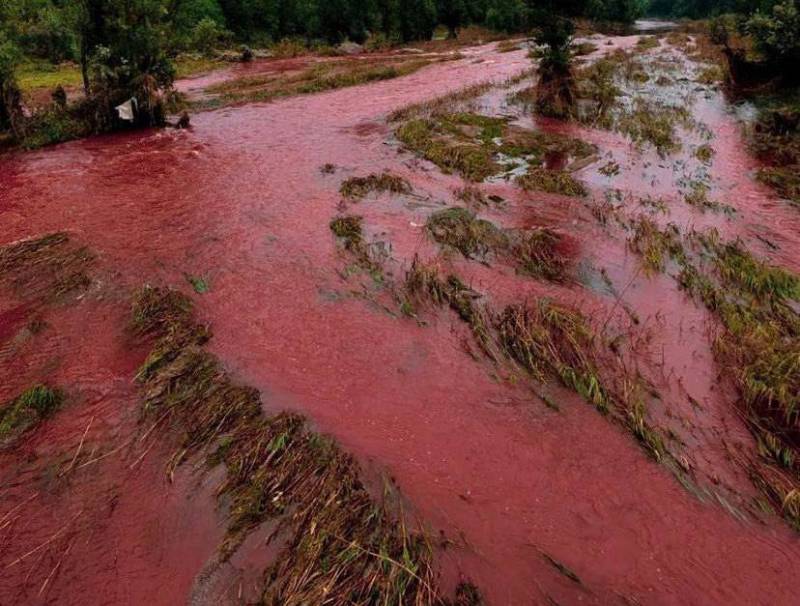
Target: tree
[(124, 55), (11, 117), (507, 16), (555, 91), (776, 33), (417, 19), (452, 14), (618, 11)]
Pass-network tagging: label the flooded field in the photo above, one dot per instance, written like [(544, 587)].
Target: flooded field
[(491, 313)]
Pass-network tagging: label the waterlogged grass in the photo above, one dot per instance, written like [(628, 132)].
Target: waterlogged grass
[(605, 104), (349, 230), (547, 341), (26, 411), (655, 246), (341, 545), (467, 151), (758, 344), (357, 188), (46, 269), (535, 252), (551, 181), (785, 180), (460, 229), (315, 79), (478, 146)]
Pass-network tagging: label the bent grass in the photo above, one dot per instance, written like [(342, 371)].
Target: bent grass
[(26, 411), (342, 546), (758, 343), (46, 269)]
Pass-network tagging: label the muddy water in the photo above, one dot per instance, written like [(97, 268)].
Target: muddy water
[(240, 199)]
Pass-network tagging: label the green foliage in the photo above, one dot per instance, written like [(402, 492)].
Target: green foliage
[(776, 33), (621, 11), (208, 35), (508, 16), (27, 410)]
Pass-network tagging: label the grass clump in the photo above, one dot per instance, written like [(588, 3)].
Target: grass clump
[(537, 252), (645, 43), (655, 246), (653, 123), (705, 153), (539, 147), (45, 269), (698, 198), (551, 181), (583, 48), (348, 228), (26, 411), (341, 545), (357, 188), (460, 228), (784, 180), (467, 151), (424, 283), (478, 146), (547, 339), (318, 78)]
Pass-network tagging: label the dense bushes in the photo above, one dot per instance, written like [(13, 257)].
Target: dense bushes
[(776, 32)]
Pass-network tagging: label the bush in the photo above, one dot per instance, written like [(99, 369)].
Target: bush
[(777, 35), (378, 42), (10, 97), (507, 16), (208, 35)]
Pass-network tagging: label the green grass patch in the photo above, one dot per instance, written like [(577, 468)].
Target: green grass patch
[(26, 411), (357, 188)]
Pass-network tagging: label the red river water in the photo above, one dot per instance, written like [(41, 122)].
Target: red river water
[(240, 199)]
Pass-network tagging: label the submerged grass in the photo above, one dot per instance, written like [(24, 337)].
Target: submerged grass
[(757, 343), (478, 146), (534, 251), (341, 547), (537, 252), (551, 181), (357, 188), (318, 78), (547, 340), (451, 148), (349, 230), (26, 411), (460, 229), (45, 269)]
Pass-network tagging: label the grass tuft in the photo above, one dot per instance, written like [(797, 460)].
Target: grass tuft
[(26, 411), (459, 228), (551, 181), (357, 188)]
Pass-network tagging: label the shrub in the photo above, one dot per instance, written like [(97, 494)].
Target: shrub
[(208, 35)]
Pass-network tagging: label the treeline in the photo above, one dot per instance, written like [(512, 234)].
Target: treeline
[(767, 32), (54, 29)]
